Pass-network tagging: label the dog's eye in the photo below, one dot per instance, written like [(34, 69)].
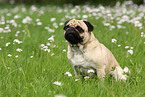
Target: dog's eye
[(65, 27), (79, 29)]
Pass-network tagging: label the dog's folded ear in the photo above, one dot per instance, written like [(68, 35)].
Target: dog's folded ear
[(64, 28), (89, 25), (66, 22)]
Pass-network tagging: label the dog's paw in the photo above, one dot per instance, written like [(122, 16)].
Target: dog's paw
[(121, 74), (125, 74)]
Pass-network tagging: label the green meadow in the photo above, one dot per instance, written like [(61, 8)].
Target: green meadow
[(33, 50)]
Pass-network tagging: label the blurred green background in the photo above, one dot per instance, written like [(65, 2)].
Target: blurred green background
[(74, 2)]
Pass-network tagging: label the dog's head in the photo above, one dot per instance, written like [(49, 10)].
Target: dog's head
[(77, 31)]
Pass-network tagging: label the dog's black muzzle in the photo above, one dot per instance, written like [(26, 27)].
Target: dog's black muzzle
[(72, 36)]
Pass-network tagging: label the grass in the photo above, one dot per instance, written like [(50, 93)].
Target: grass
[(34, 76)]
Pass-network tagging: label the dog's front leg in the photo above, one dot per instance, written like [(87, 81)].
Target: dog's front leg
[(101, 73), (76, 74)]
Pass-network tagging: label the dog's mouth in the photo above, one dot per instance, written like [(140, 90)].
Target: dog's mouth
[(73, 36)]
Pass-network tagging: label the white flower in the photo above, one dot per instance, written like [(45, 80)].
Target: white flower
[(49, 29), (17, 16), (1, 29), (64, 50), (31, 56), (125, 17), (106, 24), (26, 20), (0, 49), (8, 14), (19, 50), (114, 40), (51, 38), (33, 8), (119, 26), (39, 23), (57, 83), (48, 50), (68, 73), (42, 45), (55, 25), (119, 45), (60, 95), (127, 32), (123, 78), (138, 24), (9, 68), (7, 27), (16, 56), (112, 27), (86, 77), (77, 79), (52, 19), (85, 16), (45, 47), (9, 55), (16, 35), (126, 69), (16, 40), (91, 70), (18, 32), (73, 11), (61, 24), (8, 43), (126, 47), (142, 33), (52, 54), (37, 20), (54, 46), (48, 44), (130, 51), (131, 47)]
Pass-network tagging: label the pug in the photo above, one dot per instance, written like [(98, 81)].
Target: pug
[(87, 55)]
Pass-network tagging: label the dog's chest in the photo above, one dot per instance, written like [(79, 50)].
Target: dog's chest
[(79, 59), (82, 65)]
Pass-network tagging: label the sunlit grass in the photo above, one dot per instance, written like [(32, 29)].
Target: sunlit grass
[(33, 71)]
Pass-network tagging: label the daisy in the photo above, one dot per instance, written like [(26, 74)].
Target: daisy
[(16, 56), (57, 83), (7, 43), (114, 40), (130, 51), (52, 19), (9, 55), (68, 73), (64, 50), (86, 77), (126, 47), (91, 71), (19, 50), (77, 79), (51, 38)]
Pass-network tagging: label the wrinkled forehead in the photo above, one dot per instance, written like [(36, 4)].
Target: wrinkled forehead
[(74, 23)]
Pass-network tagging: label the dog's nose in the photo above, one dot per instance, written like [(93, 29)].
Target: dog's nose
[(72, 36)]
